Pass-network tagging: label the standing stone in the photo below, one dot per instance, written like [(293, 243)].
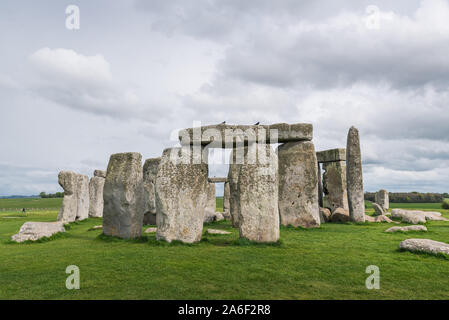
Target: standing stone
[(258, 196), (236, 161), (82, 197), (181, 194), (68, 180), (354, 177), (149, 181), (209, 211), (96, 185), (226, 200), (320, 187), (123, 196), (334, 185), (298, 185), (382, 199)]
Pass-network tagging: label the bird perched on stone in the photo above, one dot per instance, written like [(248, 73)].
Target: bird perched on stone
[(257, 123), (224, 122)]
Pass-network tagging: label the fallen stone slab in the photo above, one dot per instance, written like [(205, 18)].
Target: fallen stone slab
[(325, 215), (151, 230), (381, 218), (378, 210), (96, 227), (331, 155), (424, 245), (215, 231), (36, 230), (340, 215), (224, 135), (406, 229), (416, 216)]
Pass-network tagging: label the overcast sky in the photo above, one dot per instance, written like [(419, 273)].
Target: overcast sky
[(136, 71)]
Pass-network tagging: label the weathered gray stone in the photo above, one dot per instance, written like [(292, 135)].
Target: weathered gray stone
[(218, 179), (325, 215), (236, 160), (381, 218), (320, 187), (354, 177), (150, 168), (258, 195), (340, 215), (100, 173), (406, 229), (96, 185), (416, 216), (424, 245), (298, 185), (222, 134), (334, 185), (219, 216), (226, 199), (123, 196), (331, 155), (181, 195), (382, 199), (151, 230), (36, 230), (83, 197), (216, 231), (378, 209), (68, 180), (209, 214)]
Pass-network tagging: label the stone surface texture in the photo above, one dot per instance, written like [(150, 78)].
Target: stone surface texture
[(298, 185), (123, 196), (96, 185), (354, 177), (331, 155), (334, 185), (406, 229), (424, 245), (36, 230), (382, 199)]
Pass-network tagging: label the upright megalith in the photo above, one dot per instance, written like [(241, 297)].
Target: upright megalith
[(298, 185), (258, 210), (181, 194), (236, 161), (226, 200), (334, 185), (382, 199), (149, 182), (96, 185), (68, 180), (75, 205), (123, 196), (211, 204), (83, 197), (354, 177)]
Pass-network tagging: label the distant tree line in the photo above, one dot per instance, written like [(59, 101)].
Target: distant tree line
[(410, 197), (51, 195)]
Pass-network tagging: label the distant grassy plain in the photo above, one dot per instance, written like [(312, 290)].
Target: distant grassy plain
[(324, 263)]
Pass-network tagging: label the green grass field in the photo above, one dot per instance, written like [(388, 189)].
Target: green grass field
[(324, 263)]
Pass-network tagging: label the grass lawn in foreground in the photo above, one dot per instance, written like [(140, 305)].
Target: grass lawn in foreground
[(324, 263)]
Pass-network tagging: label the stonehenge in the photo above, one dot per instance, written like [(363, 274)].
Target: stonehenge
[(96, 185), (123, 196), (75, 205), (258, 211), (354, 176), (298, 185), (149, 182), (382, 199), (181, 194), (264, 188), (32, 231)]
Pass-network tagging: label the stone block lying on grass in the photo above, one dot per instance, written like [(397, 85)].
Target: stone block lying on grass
[(416, 216), (215, 231), (381, 218), (36, 230), (406, 229), (340, 215), (424, 245)]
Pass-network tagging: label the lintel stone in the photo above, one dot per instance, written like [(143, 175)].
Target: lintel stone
[(331, 155)]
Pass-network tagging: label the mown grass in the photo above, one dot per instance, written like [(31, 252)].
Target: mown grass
[(28, 203), (324, 263)]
